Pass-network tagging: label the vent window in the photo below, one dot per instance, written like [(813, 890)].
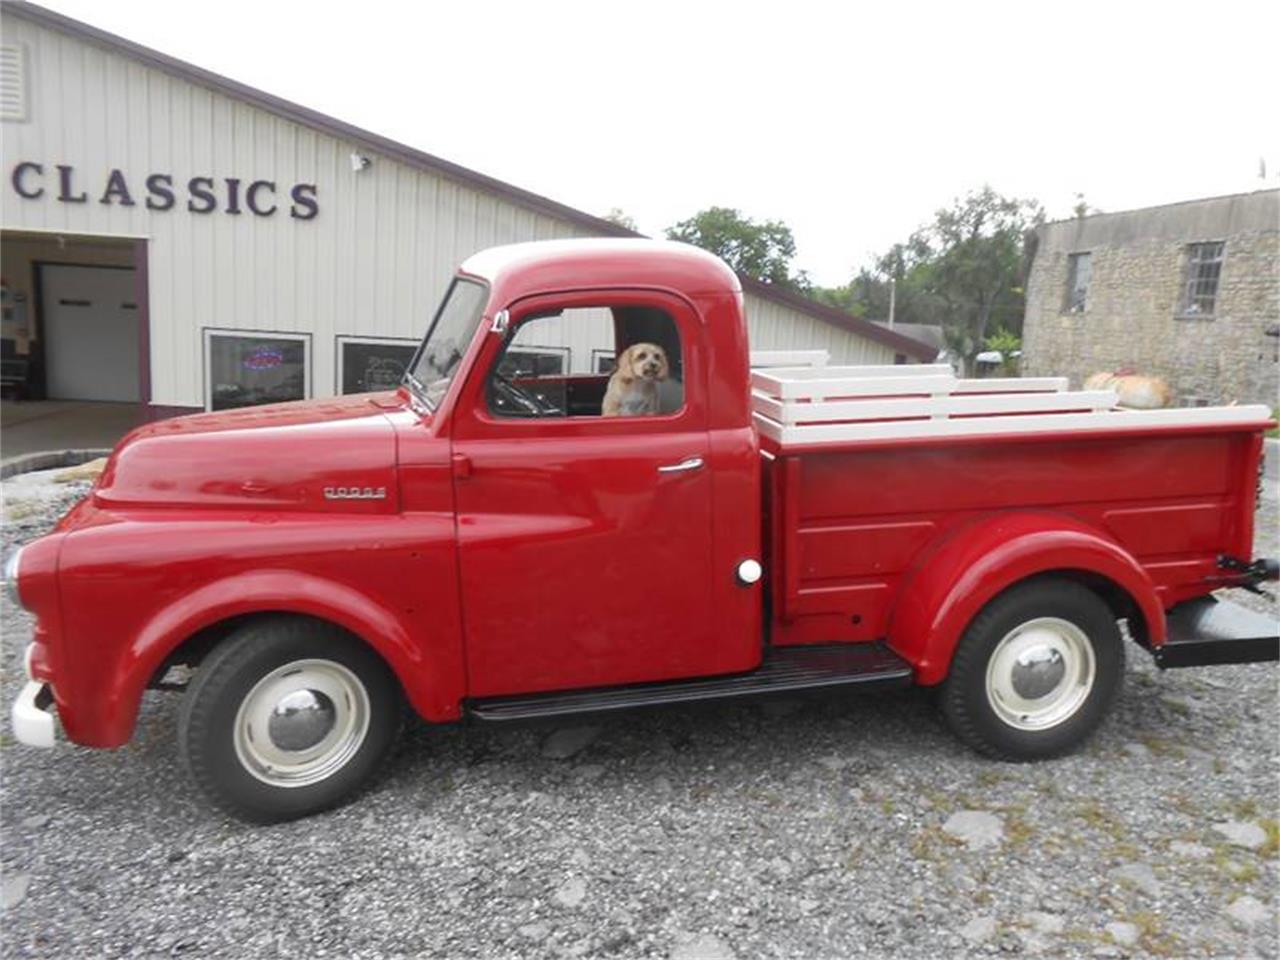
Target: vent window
[(13, 82)]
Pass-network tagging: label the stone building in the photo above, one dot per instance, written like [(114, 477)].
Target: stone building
[(1188, 291)]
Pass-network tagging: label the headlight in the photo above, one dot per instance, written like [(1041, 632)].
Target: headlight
[(11, 576)]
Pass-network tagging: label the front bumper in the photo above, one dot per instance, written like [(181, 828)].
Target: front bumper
[(32, 715), (33, 722)]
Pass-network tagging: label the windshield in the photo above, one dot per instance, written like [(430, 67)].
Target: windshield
[(446, 341)]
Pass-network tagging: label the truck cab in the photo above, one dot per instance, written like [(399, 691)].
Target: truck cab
[(594, 550), (583, 499)]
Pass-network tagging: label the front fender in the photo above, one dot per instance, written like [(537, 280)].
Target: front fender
[(949, 585), (433, 689)]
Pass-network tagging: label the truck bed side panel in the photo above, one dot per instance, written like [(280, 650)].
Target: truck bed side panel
[(848, 523)]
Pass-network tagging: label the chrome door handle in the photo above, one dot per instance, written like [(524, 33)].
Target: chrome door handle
[(692, 463)]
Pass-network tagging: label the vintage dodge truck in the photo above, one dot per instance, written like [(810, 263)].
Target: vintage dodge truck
[(483, 542)]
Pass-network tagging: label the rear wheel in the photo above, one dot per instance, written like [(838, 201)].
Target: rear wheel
[(1035, 672), (287, 717)]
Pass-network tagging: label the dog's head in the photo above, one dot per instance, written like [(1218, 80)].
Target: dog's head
[(644, 361)]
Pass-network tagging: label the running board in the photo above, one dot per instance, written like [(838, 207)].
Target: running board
[(1206, 631), (784, 670)]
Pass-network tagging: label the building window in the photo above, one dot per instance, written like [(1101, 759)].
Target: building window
[(535, 361), (1200, 279), (245, 369), (1079, 268), (368, 364), (603, 361)]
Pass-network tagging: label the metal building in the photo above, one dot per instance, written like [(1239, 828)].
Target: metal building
[(174, 239)]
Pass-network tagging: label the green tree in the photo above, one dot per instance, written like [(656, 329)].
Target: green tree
[(974, 251), (1009, 345), (760, 250), (621, 218), (963, 272)]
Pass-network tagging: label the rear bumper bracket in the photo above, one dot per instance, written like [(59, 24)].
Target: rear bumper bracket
[(1208, 631)]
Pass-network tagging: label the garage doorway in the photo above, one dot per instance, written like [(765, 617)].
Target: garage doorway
[(91, 332)]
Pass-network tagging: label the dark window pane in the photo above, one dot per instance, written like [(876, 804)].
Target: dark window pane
[(374, 366), (549, 362), (245, 371), (1200, 283), (1079, 268)]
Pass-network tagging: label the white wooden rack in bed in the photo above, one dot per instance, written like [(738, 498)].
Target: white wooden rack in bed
[(811, 402)]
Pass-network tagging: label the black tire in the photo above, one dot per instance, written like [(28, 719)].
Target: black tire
[(964, 697), (207, 733)]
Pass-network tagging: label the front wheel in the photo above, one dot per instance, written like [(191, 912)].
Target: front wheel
[(287, 717), (1035, 672)]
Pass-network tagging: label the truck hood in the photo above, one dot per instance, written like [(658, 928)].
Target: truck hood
[(330, 456)]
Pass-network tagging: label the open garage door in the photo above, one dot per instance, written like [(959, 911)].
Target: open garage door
[(91, 332)]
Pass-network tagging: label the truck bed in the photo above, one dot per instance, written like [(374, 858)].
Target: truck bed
[(867, 470)]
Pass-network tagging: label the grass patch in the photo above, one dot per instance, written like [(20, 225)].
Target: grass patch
[(1246, 809), (932, 845), (1166, 748), (21, 509), (1152, 937), (1271, 848), (1102, 820), (990, 778)]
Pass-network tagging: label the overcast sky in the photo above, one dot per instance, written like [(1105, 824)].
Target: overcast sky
[(851, 123)]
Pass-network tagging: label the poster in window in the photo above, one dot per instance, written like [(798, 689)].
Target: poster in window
[(367, 367)]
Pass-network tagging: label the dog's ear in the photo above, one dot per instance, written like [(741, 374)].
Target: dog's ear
[(626, 370), (664, 368)]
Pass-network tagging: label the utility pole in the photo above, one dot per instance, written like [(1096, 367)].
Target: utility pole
[(893, 298)]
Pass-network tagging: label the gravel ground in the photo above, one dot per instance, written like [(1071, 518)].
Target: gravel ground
[(788, 829)]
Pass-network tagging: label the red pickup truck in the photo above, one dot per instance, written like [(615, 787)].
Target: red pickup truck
[(485, 542)]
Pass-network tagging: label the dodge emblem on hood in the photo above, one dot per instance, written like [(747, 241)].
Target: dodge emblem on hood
[(355, 493)]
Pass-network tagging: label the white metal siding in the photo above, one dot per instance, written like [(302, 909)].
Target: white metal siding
[(374, 262), (772, 326)]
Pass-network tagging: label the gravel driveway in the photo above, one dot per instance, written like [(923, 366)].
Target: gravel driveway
[(789, 829)]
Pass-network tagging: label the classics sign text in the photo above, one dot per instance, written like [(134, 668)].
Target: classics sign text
[(157, 191)]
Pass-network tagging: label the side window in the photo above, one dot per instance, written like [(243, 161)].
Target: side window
[(605, 361)]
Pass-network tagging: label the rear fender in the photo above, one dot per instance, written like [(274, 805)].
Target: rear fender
[(434, 689), (950, 584)]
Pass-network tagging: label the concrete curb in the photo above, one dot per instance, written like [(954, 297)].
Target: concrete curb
[(47, 460)]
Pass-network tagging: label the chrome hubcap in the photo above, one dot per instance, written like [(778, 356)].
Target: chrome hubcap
[(1040, 673), (301, 720), (301, 723)]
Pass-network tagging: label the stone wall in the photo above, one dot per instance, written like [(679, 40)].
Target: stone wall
[(1132, 313)]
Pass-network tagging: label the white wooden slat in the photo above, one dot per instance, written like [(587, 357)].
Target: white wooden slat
[(1116, 420), (868, 387), (768, 427), (859, 372), (844, 381), (944, 406), (1012, 385), (789, 358)]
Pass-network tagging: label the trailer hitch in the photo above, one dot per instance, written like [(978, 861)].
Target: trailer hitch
[(1249, 575)]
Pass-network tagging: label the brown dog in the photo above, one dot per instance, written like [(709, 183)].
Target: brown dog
[(1133, 389), (633, 387)]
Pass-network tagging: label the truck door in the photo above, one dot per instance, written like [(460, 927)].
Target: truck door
[(585, 539)]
